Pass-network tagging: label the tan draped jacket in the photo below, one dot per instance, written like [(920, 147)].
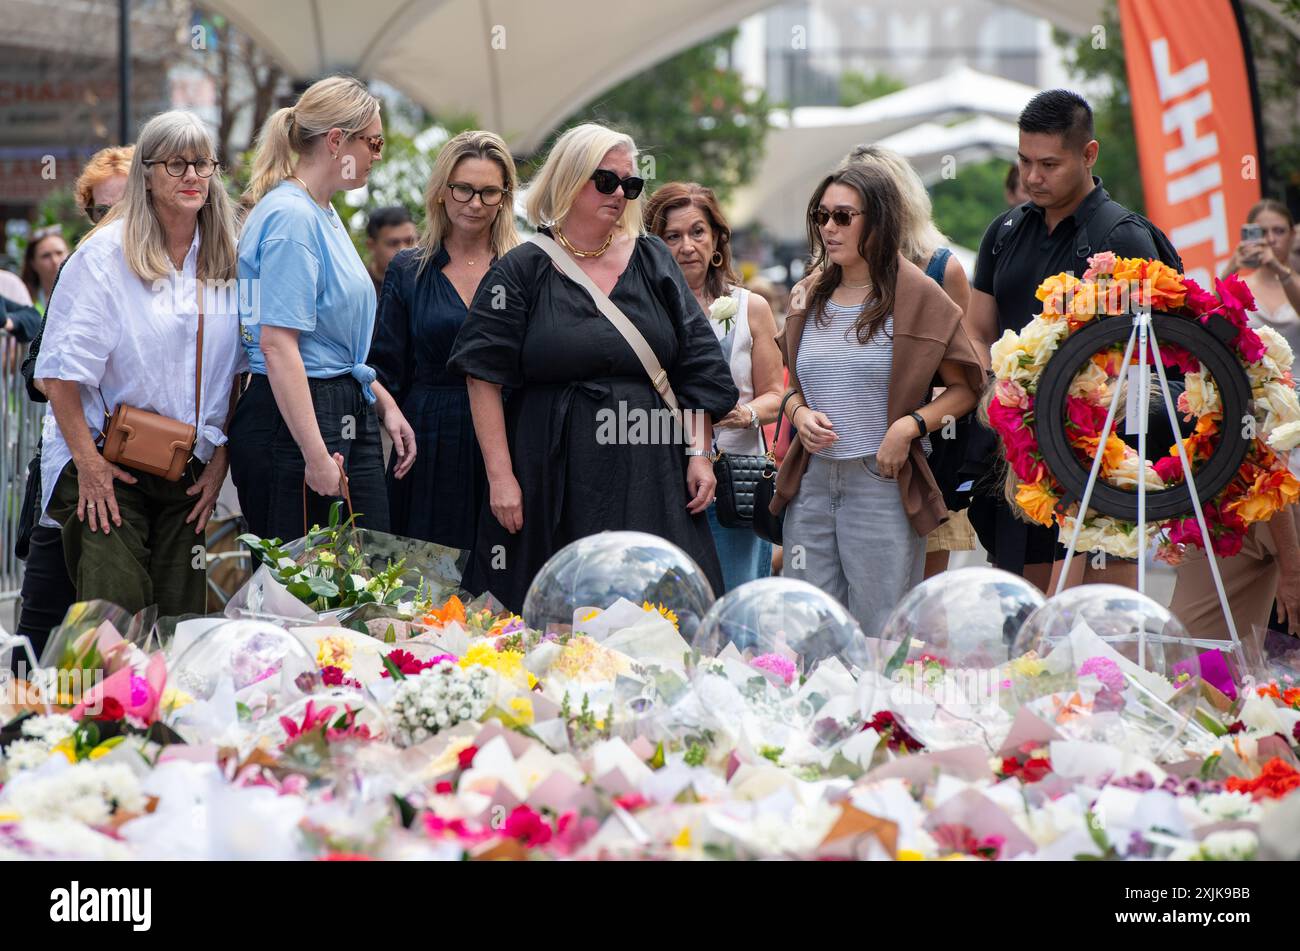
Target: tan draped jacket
[(927, 331)]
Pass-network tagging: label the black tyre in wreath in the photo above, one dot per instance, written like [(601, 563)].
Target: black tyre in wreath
[(1210, 343)]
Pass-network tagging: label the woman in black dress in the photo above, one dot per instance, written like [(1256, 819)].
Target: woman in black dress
[(469, 223), (565, 457)]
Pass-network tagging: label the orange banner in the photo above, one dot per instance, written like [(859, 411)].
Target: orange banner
[(1193, 112)]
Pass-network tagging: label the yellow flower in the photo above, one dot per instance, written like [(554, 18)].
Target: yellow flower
[(334, 651), (1037, 501), (663, 611), (1028, 665), (1006, 356), (67, 746), (174, 698), (910, 855), (521, 708), (508, 664), (683, 839), (584, 659)]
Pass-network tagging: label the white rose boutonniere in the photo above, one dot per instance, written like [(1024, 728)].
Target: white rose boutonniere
[(723, 310)]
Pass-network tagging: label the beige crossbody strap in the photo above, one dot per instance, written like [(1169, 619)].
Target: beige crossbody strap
[(657, 374)]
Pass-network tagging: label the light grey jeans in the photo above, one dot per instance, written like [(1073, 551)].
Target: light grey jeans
[(846, 533)]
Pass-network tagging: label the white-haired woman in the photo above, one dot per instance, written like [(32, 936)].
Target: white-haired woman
[(469, 222), (922, 243), (128, 305), (565, 455), (310, 407)]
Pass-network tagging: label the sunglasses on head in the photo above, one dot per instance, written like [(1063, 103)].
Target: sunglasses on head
[(841, 216), (607, 183)]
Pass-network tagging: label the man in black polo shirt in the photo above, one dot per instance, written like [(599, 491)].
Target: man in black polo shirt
[(1043, 237)]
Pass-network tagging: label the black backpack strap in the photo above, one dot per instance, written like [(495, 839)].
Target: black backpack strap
[(1094, 231), (1010, 225)]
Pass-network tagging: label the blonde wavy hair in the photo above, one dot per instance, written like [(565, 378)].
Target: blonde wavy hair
[(919, 237), (143, 240), (336, 102), (474, 143), (575, 155), (103, 165)]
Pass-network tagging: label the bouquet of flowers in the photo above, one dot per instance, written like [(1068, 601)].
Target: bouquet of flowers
[(439, 697)]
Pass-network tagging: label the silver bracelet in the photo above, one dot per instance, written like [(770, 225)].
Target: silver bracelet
[(697, 452)]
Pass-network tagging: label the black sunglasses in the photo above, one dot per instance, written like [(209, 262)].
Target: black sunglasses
[(840, 216), (96, 213), (607, 183)]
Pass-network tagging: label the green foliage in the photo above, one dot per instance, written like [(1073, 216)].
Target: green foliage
[(1117, 160), (332, 571), (1276, 54), (693, 117), (856, 87), (965, 204)]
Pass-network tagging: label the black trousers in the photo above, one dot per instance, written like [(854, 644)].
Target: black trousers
[(47, 591), (267, 465)]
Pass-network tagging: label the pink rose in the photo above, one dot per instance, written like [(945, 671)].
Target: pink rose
[(1170, 470), (1086, 417), (1199, 300), (1250, 346), (1011, 394), (1099, 265)]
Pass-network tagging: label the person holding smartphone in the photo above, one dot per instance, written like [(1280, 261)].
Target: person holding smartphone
[(1262, 260)]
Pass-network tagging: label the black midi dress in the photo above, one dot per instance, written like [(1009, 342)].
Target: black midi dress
[(571, 380), (420, 314)]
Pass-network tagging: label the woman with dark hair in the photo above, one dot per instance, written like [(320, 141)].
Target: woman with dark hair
[(866, 336), (41, 262), (689, 220)]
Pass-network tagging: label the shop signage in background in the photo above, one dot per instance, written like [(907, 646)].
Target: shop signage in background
[(1197, 136)]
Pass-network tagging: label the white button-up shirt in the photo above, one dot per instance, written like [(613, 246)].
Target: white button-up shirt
[(128, 341)]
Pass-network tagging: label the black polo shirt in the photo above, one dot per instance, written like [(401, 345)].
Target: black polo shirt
[(1032, 254)]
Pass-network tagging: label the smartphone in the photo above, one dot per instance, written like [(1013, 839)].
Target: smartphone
[(1252, 232)]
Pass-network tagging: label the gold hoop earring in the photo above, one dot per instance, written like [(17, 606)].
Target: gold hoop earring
[(716, 260)]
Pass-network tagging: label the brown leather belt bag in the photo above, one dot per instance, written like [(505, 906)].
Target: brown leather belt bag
[(149, 442)]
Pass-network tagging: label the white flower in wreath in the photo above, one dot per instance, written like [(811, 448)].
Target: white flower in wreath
[(1201, 394), (723, 311), (1280, 403), (1285, 437), (1040, 338), (1006, 356), (1092, 384), (1279, 352), (1124, 476)]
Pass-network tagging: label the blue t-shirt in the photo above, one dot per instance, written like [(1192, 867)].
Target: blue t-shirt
[(299, 269)]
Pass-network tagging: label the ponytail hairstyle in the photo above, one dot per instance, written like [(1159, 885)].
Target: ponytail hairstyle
[(337, 102)]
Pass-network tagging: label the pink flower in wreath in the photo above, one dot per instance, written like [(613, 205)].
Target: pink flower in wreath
[(1251, 347), (1011, 394), (1199, 300), (1087, 417), (1170, 469), (1099, 265)]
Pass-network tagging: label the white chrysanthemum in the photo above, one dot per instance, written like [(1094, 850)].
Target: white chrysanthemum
[(1229, 807), (26, 754), (51, 728), (86, 792), (1236, 845)]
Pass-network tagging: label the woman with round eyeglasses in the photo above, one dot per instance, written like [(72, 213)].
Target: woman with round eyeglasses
[(583, 442), (469, 224), (137, 298), (311, 413)]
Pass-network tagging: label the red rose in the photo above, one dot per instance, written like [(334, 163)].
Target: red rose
[(112, 710), (444, 788), (466, 757)]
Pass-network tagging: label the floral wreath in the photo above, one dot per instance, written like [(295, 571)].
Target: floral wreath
[(1262, 485)]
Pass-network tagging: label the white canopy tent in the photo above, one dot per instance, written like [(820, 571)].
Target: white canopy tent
[(809, 141), (520, 66)]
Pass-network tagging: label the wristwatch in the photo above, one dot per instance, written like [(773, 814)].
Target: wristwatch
[(696, 452), (920, 424), (753, 416)]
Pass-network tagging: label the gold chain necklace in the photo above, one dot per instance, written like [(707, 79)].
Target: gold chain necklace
[(564, 242), (329, 213)]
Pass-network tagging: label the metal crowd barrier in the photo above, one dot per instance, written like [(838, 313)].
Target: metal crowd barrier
[(20, 431)]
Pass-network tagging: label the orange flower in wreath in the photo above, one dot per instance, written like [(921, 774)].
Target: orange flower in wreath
[(1114, 451), (1037, 501), (1200, 444), (1053, 291), (1269, 492), (1167, 289)]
